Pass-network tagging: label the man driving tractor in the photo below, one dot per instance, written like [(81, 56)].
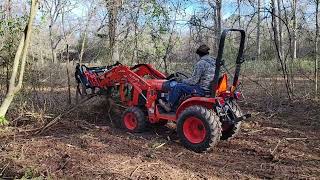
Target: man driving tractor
[(201, 121), (198, 83)]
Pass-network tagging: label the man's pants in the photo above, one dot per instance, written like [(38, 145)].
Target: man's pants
[(183, 89)]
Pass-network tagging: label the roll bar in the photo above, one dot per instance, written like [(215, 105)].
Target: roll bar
[(219, 61)]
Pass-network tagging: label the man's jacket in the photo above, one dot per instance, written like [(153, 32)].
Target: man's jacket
[(203, 72)]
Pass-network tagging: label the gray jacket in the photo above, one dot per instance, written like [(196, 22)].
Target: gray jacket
[(203, 72)]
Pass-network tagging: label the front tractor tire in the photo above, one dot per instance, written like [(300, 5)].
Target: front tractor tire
[(133, 120), (198, 128)]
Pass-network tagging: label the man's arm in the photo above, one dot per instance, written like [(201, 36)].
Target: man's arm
[(196, 75)]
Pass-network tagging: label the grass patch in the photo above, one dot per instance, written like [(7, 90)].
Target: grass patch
[(3, 121)]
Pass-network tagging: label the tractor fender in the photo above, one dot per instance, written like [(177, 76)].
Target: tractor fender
[(196, 101)]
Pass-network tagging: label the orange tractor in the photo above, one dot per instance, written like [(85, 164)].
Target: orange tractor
[(201, 120)]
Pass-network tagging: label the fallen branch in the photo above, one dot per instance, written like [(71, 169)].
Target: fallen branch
[(274, 150), (266, 90), (4, 168), (135, 170), (288, 139), (56, 119), (109, 110), (141, 165), (160, 146), (179, 154), (271, 116), (284, 139)]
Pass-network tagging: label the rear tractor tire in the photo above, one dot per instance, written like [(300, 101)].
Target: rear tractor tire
[(133, 120), (198, 128)]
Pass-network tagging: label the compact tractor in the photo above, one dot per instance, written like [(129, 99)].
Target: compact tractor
[(201, 121)]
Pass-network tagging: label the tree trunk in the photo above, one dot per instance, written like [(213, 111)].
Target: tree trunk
[(41, 57), (280, 29), (258, 31), (67, 59), (19, 60), (7, 76), (135, 51), (5, 106), (86, 33), (275, 24), (275, 27), (8, 15), (294, 29), (115, 52), (53, 52), (169, 47), (316, 49), (217, 20), (8, 9), (239, 13), (68, 75), (113, 9), (278, 49), (83, 44)]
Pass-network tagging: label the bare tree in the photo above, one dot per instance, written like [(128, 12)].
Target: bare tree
[(316, 48), (239, 12), (113, 10), (258, 30), (135, 17), (67, 51), (280, 28), (90, 14), (294, 28), (217, 6), (276, 18), (169, 45), (54, 8), (19, 60), (7, 16)]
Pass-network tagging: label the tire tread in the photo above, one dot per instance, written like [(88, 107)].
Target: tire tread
[(142, 123), (212, 121)]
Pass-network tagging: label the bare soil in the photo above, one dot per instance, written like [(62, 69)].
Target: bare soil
[(281, 144)]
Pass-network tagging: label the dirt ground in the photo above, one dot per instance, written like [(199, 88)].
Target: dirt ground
[(282, 144)]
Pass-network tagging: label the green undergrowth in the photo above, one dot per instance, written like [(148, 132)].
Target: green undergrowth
[(3, 121)]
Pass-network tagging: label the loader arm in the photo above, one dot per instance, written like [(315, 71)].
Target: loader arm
[(123, 75)]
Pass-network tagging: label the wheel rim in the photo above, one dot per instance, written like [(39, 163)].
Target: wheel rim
[(130, 121), (194, 130)]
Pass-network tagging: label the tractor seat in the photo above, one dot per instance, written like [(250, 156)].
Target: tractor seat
[(207, 93)]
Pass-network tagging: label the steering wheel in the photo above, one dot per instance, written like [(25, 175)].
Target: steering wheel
[(178, 76)]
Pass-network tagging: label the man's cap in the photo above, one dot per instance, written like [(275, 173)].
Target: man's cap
[(203, 49)]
